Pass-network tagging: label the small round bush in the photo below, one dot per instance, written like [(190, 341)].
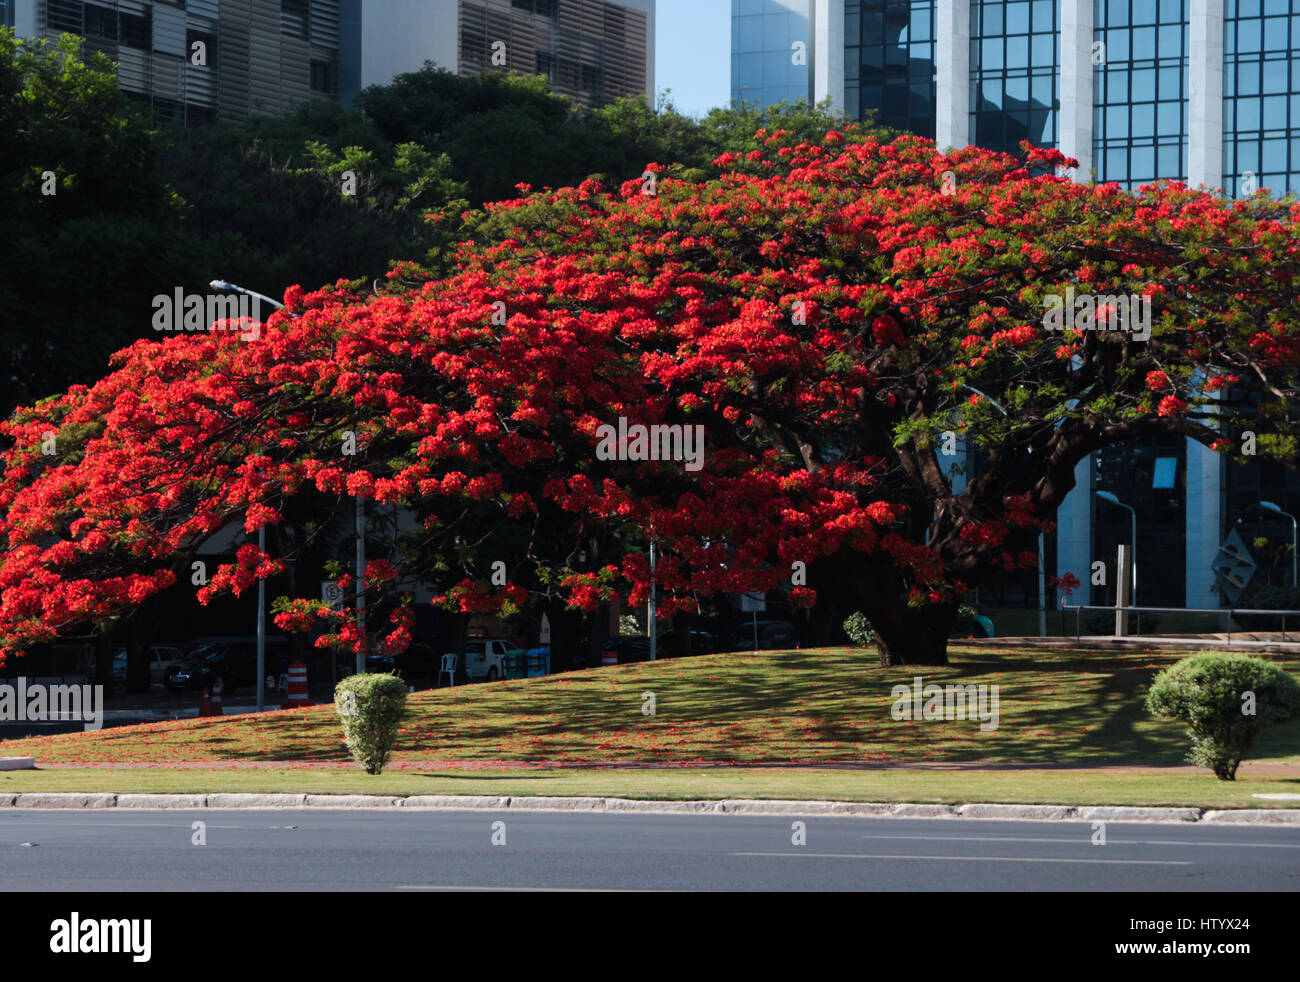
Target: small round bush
[(370, 707), (1227, 701), (859, 629)]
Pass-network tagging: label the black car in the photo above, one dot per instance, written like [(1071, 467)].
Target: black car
[(629, 648), (771, 634), (702, 643), (234, 663), (419, 661), (636, 648)]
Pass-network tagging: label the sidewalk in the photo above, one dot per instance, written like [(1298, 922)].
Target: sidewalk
[(1245, 640)]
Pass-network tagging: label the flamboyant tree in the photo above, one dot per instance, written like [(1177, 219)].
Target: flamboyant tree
[(824, 314)]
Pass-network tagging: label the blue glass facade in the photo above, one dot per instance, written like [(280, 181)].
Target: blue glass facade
[(1013, 58), (889, 62), (1140, 95), (765, 60), (1261, 95)]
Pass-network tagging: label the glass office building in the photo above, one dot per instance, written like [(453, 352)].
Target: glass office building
[(1201, 91), (770, 60), (1204, 91)]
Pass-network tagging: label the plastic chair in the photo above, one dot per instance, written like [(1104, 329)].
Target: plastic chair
[(448, 668)]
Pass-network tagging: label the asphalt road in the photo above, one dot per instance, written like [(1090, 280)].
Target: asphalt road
[(412, 850)]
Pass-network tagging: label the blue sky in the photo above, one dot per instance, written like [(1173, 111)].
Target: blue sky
[(693, 53)]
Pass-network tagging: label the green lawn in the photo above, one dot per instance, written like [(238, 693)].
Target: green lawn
[(1069, 786), (809, 706)]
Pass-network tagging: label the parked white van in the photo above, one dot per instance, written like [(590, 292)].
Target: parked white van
[(483, 658)]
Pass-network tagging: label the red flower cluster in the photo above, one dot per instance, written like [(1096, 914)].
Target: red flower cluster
[(819, 311)]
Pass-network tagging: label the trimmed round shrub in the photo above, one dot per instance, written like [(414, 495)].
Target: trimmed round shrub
[(1227, 702), (859, 629), (370, 707)]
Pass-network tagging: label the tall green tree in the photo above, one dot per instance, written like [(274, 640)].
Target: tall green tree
[(85, 212)]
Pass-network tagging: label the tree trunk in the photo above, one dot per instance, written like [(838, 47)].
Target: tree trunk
[(104, 658), (904, 635), (137, 656), (911, 635)]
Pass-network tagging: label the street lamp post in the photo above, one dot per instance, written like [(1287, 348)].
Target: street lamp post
[(261, 626), (1042, 573), (221, 286), (1270, 507), (1109, 498), (224, 286), (361, 591), (653, 613)]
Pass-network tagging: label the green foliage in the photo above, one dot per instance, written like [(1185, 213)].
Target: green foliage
[(964, 624), (1227, 701), (859, 629), (1263, 596), (269, 208), (91, 256), (370, 707), (142, 209)]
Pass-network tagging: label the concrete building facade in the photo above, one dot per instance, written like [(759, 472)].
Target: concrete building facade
[(198, 60)]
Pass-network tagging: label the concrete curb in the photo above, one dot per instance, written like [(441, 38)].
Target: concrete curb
[(1129, 814), (1038, 813), (737, 806), (167, 801), (1253, 816)]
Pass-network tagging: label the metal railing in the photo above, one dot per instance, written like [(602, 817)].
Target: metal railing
[(1230, 611)]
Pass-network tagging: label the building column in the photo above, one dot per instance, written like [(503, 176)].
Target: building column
[(1204, 523), (952, 74), (1074, 119), (25, 18), (1204, 520), (1205, 95), (1074, 533), (828, 48)]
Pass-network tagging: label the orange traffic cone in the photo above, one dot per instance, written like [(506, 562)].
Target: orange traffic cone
[(205, 703)]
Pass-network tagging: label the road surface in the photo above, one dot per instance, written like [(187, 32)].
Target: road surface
[(421, 850)]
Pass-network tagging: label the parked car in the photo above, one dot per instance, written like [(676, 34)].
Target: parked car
[(419, 661), (380, 663), (483, 658), (630, 648), (771, 634), (636, 647), (117, 681), (234, 663), (160, 657), (702, 643)]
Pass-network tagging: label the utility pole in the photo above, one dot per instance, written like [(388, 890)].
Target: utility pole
[(361, 593)]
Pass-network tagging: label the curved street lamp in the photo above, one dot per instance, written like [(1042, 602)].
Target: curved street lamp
[(1270, 507), (1109, 498)]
